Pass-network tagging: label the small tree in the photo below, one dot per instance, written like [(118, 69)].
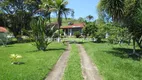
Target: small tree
[(89, 29), (3, 38), (116, 33), (39, 33), (77, 34), (89, 17)]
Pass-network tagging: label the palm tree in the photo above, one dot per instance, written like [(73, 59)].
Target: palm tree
[(46, 7), (125, 12), (114, 9), (60, 8), (80, 19), (90, 17)]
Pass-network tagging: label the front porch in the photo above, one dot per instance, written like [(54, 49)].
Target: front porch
[(70, 31)]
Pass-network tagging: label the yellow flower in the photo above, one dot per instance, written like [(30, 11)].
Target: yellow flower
[(18, 56), (12, 56), (15, 56)]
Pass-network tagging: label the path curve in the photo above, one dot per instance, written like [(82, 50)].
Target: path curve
[(58, 70), (89, 70)]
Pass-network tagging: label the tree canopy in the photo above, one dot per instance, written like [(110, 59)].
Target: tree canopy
[(126, 13)]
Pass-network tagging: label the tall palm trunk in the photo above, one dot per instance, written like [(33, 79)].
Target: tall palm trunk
[(59, 21)]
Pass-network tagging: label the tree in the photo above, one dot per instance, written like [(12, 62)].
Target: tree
[(102, 30), (59, 6), (89, 29), (40, 34), (46, 8), (112, 9), (89, 17), (116, 33), (80, 19), (125, 13), (77, 34), (17, 14), (133, 22), (1, 19)]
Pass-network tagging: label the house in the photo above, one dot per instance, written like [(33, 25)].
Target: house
[(71, 28)]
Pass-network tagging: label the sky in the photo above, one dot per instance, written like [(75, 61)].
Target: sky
[(84, 8)]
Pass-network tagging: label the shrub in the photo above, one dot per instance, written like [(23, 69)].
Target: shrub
[(38, 27), (15, 58), (3, 38), (77, 34), (39, 32), (56, 35)]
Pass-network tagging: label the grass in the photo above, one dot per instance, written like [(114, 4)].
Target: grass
[(37, 63), (73, 69), (113, 62)]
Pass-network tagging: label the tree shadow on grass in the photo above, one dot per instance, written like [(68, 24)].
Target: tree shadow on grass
[(50, 49), (23, 41), (18, 63), (125, 53), (9, 46), (32, 51), (76, 42), (55, 49), (98, 41), (6, 46), (81, 42)]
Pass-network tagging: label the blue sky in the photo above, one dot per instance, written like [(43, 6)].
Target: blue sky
[(84, 8)]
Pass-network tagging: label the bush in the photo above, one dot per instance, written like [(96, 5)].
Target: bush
[(15, 58), (56, 35), (39, 33), (41, 37), (4, 39), (112, 39), (77, 34)]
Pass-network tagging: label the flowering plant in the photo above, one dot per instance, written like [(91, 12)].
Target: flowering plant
[(15, 57)]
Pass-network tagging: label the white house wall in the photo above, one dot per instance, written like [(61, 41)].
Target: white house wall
[(71, 31)]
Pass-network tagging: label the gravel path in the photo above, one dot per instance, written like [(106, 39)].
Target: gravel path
[(89, 70), (58, 70)]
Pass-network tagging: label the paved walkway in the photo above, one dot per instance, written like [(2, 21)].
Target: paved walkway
[(58, 70), (89, 70)]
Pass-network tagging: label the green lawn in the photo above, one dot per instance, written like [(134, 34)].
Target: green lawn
[(113, 62), (73, 69), (37, 63)]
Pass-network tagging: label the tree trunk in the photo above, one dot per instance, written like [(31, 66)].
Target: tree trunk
[(59, 23), (139, 43), (134, 47)]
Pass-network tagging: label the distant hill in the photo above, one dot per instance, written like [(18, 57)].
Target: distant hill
[(65, 21)]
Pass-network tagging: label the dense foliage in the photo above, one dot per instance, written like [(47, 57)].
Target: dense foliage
[(77, 34), (40, 34), (16, 14), (125, 13), (59, 7), (3, 38)]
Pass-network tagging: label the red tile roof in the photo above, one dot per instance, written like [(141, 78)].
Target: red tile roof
[(2, 29), (79, 25)]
